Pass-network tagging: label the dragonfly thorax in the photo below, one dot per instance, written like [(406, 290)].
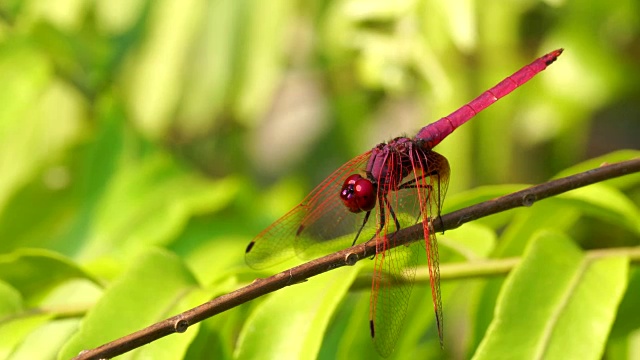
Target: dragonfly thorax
[(392, 162), (389, 163)]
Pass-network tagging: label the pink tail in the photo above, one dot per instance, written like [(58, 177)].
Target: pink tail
[(435, 132)]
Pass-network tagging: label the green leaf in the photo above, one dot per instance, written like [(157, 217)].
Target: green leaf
[(10, 300), (44, 342), (149, 203), (157, 286), (480, 194), (34, 272), (606, 203), (14, 330), (471, 240), (291, 323), (207, 83), (175, 346), (15, 325), (546, 214), (555, 213), (24, 75), (623, 182), (627, 322), (260, 64), (557, 304), (153, 85), (65, 305)]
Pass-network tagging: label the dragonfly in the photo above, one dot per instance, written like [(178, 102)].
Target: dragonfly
[(395, 185)]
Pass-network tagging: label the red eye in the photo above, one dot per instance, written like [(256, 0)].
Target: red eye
[(357, 194), (365, 194)]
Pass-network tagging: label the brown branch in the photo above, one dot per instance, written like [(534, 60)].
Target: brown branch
[(350, 256)]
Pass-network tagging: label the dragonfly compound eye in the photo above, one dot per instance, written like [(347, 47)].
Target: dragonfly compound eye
[(357, 194), (348, 195), (365, 194)]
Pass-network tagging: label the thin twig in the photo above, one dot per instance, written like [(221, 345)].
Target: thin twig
[(490, 267), (350, 256)]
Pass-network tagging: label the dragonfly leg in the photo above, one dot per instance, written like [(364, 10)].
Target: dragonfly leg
[(382, 201), (364, 222), (383, 219), (393, 214), (413, 183)]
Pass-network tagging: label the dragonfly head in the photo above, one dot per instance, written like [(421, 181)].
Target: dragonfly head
[(358, 194)]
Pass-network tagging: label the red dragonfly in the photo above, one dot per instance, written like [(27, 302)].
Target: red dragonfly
[(394, 185)]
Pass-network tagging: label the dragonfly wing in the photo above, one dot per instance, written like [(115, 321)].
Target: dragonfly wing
[(434, 279), (393, 280), (414, 201), (274, 245), (438, 166), (319, 223), (395, 267)]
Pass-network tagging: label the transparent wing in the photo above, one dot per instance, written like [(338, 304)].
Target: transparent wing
[(414, 200), (320, 223), (393, 279), (438, 166)]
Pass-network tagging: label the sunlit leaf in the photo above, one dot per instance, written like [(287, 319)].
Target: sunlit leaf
[(10, 300), (623, 182), (46, 340), (606, 203), (34, 272), (149, 203), (13, 331), (291, 323), (480, 194), (557, 304), (156, 287), (471, 240)]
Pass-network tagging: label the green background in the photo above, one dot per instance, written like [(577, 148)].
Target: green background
[(143, 144)]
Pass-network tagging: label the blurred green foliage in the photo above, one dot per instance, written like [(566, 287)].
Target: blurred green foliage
[(144, 143)]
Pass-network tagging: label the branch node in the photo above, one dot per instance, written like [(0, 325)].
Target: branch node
[(351, 259), (181, 326), (528, 199)]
